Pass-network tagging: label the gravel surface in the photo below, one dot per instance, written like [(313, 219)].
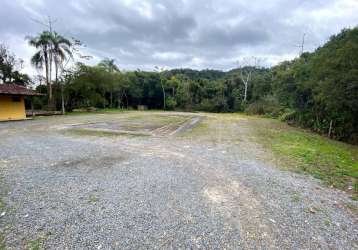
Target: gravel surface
[(129, 192)]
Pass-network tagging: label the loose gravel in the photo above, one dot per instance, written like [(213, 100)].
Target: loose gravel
[(89, 192)]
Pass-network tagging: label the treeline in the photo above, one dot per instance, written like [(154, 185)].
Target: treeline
[(317, 90), (10, 67), (320, 89)]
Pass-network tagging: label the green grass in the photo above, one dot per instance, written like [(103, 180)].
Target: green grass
[(93, 199), (2, 205), (2, 241), (200, 129), (335, 163), (99, 133), (99, 111), (352, 207), (296, 197), (2, 209), (37, 244), (148, 117)]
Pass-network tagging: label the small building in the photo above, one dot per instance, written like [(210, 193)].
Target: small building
[(12, 104)]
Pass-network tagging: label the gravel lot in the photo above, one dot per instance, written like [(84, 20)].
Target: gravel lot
[(72, 191)]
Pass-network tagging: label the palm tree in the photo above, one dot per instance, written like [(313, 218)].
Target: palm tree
[(109, 65), (52, 48), (61, 50), (41, 58)]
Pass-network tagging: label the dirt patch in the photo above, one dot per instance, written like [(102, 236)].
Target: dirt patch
[(90, 164), (238, 204), (162, 126)]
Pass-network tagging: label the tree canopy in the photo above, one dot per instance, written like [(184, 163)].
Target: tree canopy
[(317, 90)]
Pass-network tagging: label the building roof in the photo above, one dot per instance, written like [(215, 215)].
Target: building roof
[(16, 89)]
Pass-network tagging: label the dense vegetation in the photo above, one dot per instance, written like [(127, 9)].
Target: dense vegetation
[(317, 90), (10, 67)]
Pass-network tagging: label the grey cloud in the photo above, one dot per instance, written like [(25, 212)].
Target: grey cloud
[(181, 33)]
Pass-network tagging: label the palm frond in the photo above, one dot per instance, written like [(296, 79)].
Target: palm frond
[(37, 60)]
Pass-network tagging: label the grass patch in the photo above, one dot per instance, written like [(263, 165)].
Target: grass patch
[(335, 163), (93, 199), (200, 129), (352, 207), (101, 133), (37, 244), (296, 198), (2, 242), (2, 205), (149, 118), (217, 127), (2, 209), (327, 222), (98, 111)]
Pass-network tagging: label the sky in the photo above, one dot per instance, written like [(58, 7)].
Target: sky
[(198, 34)]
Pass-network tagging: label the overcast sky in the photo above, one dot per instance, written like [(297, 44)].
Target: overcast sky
[(180, 33)]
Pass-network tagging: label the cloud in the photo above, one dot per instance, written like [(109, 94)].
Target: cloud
[(180, 33)]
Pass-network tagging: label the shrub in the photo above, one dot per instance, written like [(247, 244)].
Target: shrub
[(265, 106), (170, 103)]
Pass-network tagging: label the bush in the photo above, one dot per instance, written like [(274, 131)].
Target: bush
[(288, 115), (206, 105), (170, 103), (265, 106)]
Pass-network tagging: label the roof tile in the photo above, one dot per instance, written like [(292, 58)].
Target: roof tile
[(15, 89)]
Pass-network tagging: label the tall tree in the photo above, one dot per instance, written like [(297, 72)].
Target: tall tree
[(110, 66), (10, 67), (247, 66), (160, 72), (61, 50), (41, 59)]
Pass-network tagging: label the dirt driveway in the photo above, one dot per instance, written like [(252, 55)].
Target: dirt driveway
[(139, 180)]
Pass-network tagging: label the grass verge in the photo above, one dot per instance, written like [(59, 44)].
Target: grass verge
[(335, 163)]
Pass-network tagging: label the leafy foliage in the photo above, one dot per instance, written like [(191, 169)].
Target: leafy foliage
[(10, 67), (318, 90), (322, 87)]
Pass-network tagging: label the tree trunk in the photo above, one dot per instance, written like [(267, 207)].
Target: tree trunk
[(56, 73), (51, 104), (50, 63), (120, 101), (330, 129), (245, 94), (62, 100), (246, 83), (56, 79), (126, 98), (161, 83), (48, 83)]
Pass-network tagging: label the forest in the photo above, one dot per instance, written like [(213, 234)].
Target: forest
[(317, 90)]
